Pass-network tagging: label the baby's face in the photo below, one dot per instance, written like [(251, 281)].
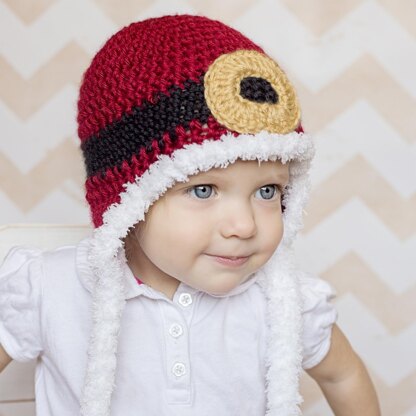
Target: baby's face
[(233, 211)]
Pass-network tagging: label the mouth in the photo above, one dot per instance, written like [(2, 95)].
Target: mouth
[(230, 261)]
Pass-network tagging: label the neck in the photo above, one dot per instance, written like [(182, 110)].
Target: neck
[(162, 283)]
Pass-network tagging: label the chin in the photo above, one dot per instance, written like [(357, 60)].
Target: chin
[(222, 290)]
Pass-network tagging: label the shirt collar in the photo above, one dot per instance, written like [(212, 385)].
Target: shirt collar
[(132, 288)]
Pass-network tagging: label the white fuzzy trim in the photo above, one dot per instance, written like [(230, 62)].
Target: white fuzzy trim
[(107, 256), (279, 281)]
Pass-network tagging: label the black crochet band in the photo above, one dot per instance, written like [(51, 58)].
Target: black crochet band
[(124, 138)]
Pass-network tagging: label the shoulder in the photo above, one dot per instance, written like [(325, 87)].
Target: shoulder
[(319, 315), (45, 267), (60, 258), (314, 291), (20, 277), (20, 298), (21, 254), (66, 268)]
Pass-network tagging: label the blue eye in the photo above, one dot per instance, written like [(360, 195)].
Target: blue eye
[(268, 191), (201, 191)]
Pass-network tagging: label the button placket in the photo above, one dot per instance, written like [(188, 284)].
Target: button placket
[(177, 353)]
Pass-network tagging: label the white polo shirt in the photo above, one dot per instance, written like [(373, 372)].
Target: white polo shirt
[(197, 354)]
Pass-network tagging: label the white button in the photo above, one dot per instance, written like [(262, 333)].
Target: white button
[(185, 299), (175, 330), (179, 369)]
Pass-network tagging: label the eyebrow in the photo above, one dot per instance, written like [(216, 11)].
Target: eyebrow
[(204, 176)]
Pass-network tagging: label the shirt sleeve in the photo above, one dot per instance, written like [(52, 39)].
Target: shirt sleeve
[(20, 295), (319, 314)]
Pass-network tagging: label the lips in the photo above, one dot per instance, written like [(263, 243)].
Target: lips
[(231, 260), (229, 257)]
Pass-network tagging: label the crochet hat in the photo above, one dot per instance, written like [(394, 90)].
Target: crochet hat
[(164, 99)]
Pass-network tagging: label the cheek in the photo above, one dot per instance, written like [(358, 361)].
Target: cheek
[(158, 242), (273, 233), (163, 250), (170, 237), (189, 230)]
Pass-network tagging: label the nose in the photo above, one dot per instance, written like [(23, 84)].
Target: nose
[(238, 221)]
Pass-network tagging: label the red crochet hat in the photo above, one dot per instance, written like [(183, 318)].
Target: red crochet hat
[(164, 99), (148, 92)]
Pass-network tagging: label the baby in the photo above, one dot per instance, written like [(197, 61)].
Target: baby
[(185, 299)]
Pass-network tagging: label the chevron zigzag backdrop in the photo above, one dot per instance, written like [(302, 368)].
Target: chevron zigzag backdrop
[(353, 64)]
